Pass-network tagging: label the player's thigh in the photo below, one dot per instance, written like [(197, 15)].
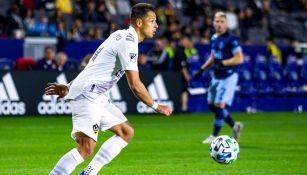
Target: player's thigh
[(111, 116), (212, 90), (85, 117), (226, 89), (124, 130)]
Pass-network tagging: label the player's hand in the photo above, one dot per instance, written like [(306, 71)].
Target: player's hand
[(219, 64), (56, 89), (198, 74), (165, 110)]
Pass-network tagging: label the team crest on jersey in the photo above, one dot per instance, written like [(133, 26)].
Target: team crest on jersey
[(95, 128), (133, 57)]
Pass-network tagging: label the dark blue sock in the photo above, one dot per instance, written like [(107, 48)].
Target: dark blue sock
[(228, 118), (211, 107), (219, 120)]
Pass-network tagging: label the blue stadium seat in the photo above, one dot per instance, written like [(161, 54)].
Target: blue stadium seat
[(292, 75), (261, 78), (246, 85), (6, 64), (276, 78)]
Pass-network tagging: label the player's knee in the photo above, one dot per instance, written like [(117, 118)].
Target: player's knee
[(128, 134), (86, 146), (124, 130), (220, 105), (87, 149)]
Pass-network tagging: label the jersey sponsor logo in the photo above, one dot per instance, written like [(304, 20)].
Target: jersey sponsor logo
[(158, 92), (133, 57), (49, 105), (10, 103), (117, 99)]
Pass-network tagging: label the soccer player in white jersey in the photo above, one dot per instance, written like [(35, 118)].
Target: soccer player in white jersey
[(88, 94)]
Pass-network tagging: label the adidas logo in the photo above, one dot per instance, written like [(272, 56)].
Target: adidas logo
[(117, 99), (158, 92), (49, 105), (10, 103), (157, 89)]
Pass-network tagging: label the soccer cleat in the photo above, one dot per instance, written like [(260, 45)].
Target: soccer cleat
[(82, 173), (236, 130), (209, 140)]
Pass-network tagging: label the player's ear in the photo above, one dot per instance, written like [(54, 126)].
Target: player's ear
[(139, 22)]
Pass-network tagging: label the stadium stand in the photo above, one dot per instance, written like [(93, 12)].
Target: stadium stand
[(246, 84), (82, 26)]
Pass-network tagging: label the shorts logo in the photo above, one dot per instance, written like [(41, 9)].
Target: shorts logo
[(133, 57), (95, 128)]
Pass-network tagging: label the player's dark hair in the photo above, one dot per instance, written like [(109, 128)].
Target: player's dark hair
[(47, 48), (140, 10)]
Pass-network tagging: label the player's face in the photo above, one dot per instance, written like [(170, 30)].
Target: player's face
[(149, 25), (49, 54), (220, 24)]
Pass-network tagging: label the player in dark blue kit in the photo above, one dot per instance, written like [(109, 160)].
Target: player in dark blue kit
[(226, 54)]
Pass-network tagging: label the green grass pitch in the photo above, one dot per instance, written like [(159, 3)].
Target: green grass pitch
[(271, 143)]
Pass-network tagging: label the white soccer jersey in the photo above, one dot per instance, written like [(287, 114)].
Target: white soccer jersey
[(116, 54)]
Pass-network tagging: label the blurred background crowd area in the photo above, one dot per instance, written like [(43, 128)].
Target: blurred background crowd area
[(273, 34), (251, 20)]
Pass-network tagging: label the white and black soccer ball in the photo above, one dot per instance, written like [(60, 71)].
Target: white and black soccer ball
[(224, 149)]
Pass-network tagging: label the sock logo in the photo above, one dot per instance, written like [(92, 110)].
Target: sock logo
[(49, 105), (158, 92), (88, 170), (10, 103)]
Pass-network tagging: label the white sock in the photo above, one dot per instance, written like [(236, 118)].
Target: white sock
[(67, 163), (108, 151)]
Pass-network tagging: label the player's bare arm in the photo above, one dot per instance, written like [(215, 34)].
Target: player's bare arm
[(139, 90), (235, 60), (208, 63), (205, 66), (186, 74)]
